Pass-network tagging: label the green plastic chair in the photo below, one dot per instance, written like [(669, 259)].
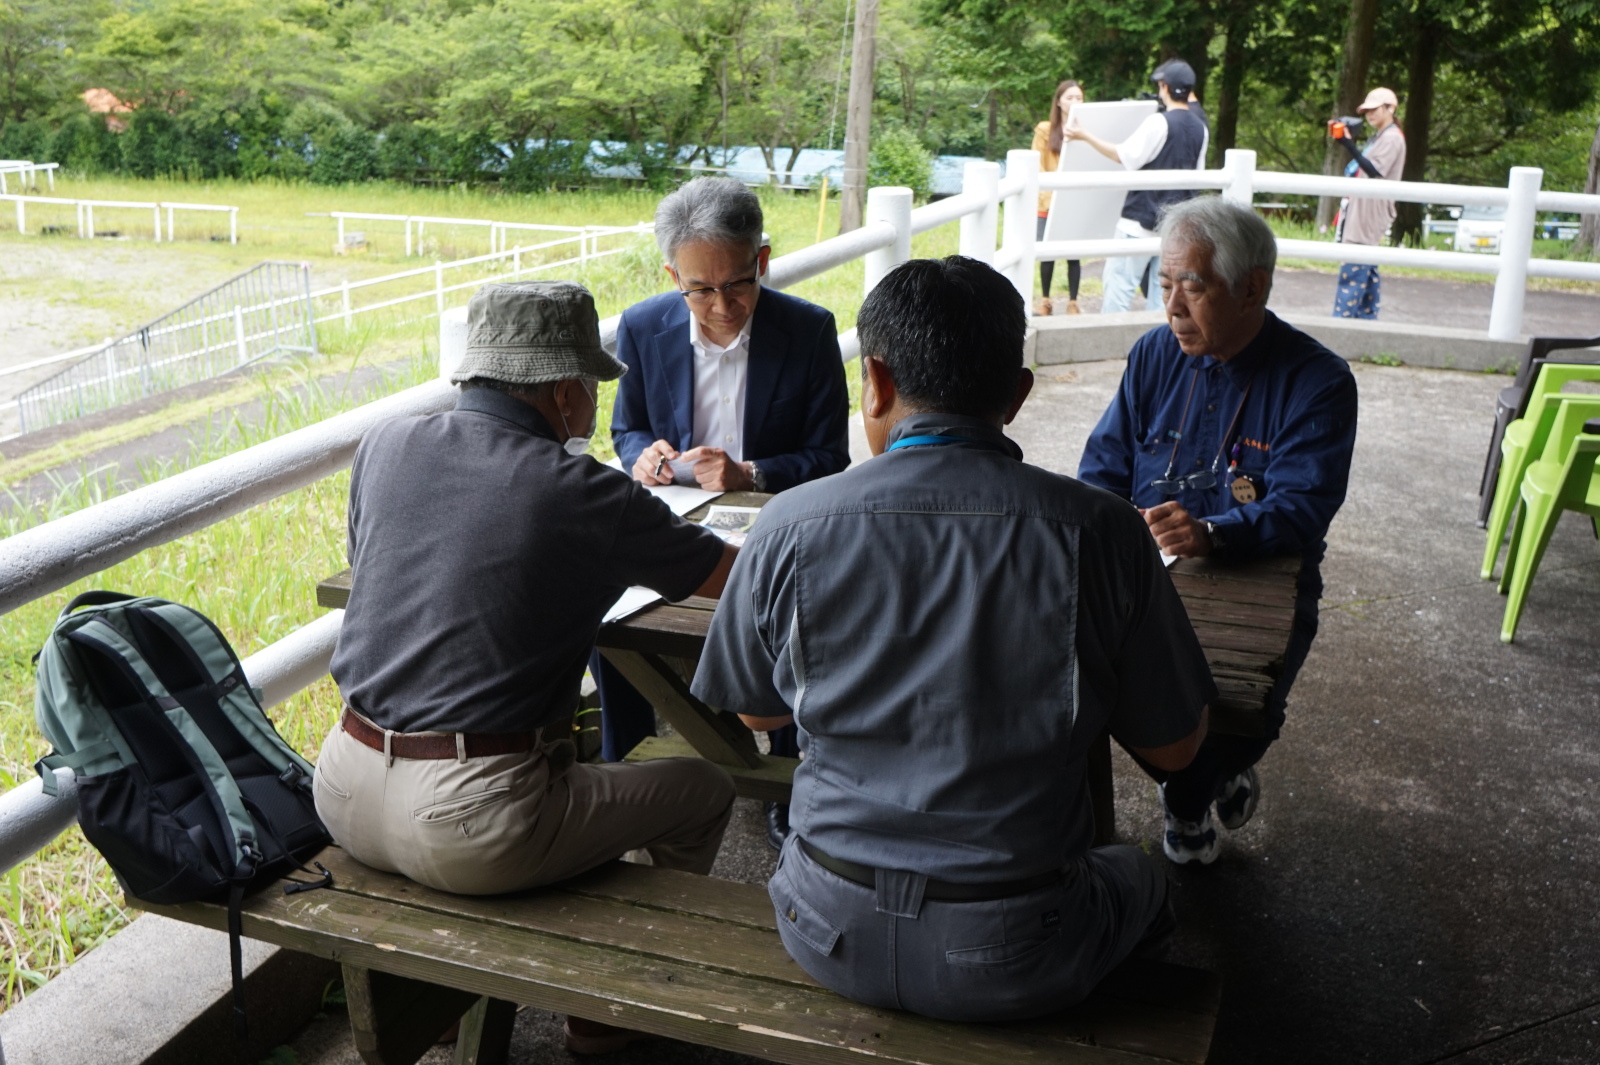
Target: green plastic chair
[(1551, 485), (1524, 442)]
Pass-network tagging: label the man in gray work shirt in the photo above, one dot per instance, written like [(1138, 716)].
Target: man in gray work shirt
[(485, 547), (951, 629)]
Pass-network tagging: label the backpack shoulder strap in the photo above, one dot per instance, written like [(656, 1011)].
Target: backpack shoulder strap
[(206, 761), (215, 657)]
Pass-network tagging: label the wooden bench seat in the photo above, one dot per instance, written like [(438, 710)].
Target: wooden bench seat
[(689, 957)]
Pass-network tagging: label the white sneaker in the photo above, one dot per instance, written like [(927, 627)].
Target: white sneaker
[(1239, 798), (1189, 842)]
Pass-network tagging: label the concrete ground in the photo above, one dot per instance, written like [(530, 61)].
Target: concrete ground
[(1420, 882)]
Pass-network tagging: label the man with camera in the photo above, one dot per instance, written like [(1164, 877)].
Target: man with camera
[(1173, 138), (1363, 220)]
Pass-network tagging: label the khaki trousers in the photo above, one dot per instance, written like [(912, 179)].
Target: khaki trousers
[(507, 822)]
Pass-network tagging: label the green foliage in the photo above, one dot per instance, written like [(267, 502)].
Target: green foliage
[(898, 158)]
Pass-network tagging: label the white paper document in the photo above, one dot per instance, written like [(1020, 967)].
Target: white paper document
[(633, 600), (681, 499), (1168, 560)]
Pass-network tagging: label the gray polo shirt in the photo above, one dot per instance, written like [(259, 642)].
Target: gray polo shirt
[(484, 557), (952, 628)]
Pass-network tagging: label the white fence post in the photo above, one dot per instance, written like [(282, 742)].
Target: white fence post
[(892, 204), (1240, 166), (156, 211), (238, 334), (1516, 247), (344, 291), (980, 178), (438, 285), (22, 221), (233, 226), (1022, 210)]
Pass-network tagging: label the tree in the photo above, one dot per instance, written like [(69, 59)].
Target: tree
[(37, 40), (1588, 242)]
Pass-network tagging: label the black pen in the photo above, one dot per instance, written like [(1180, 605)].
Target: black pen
[(660, 462)]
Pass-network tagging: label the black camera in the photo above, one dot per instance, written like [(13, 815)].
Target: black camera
[(1153, 96), (1345, 124)]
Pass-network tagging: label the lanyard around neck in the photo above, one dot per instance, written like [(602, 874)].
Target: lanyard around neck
[(926, 439)]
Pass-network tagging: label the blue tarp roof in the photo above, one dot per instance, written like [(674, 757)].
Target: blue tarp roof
[(747, 164)]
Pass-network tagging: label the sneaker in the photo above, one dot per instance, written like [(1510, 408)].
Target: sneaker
[(1189, 842), (592, 1037), (1044, 307), (1239, 798), (1072, 307)]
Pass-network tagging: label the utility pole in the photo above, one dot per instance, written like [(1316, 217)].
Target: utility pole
[(858, 117)]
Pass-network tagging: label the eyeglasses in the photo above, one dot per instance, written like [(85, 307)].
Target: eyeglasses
[(733, 290), (1198, 481)]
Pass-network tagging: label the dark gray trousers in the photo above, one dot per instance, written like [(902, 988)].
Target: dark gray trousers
[(969, 961)]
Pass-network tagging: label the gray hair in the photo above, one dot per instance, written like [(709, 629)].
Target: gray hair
[(715, 209), (1238, 238)]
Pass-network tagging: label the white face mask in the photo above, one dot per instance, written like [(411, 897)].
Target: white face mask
[(579, 445)]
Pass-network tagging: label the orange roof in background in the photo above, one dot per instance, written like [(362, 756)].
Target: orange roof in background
[(105, 102)]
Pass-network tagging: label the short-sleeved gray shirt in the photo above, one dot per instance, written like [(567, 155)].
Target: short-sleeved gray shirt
[(952, 628), (484, 557)]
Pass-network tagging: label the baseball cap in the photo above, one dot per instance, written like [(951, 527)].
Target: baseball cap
[(1178, 75), (530, 332), (1377, 98)]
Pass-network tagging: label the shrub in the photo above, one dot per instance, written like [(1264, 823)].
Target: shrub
[(898, 158)]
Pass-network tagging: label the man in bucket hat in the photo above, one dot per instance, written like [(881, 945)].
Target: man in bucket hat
[(485, 547)]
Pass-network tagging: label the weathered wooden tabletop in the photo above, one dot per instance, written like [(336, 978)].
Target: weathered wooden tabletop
[(1241, 611)]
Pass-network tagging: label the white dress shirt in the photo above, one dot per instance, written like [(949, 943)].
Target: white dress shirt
[(1146, 142), (719, 375)]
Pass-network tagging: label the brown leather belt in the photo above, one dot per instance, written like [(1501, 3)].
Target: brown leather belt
[(437, 744)]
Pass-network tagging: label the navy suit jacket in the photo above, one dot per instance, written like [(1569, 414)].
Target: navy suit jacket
[(796, 409)]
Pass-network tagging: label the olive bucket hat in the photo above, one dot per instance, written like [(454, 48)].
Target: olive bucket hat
[(530, 332)]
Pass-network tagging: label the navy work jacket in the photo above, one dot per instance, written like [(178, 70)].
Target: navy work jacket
[(1294, 435), (796, 408)]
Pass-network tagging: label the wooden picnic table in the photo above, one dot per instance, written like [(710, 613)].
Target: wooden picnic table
[(1241, 611)]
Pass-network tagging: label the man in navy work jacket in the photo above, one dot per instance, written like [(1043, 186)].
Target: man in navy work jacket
[(1232, 432), (952, 629), (736, 386)]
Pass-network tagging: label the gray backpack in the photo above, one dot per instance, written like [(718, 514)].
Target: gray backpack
[(183, 784)]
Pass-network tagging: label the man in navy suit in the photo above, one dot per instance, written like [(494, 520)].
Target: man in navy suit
[(739, 386)]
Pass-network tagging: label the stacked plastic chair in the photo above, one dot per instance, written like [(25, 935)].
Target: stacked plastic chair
[(1564, 478), (1525, 441)]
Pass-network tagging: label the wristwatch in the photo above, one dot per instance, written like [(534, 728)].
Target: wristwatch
[(758, 478), (1214, 534)]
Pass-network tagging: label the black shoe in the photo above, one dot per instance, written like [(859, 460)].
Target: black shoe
[(777, 824)]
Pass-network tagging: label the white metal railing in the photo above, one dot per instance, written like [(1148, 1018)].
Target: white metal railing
[(85, 213), (415, 223), (507, 263), (264, 311), (102, 376), (27, 171), (1238, 180), (47, 558)]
